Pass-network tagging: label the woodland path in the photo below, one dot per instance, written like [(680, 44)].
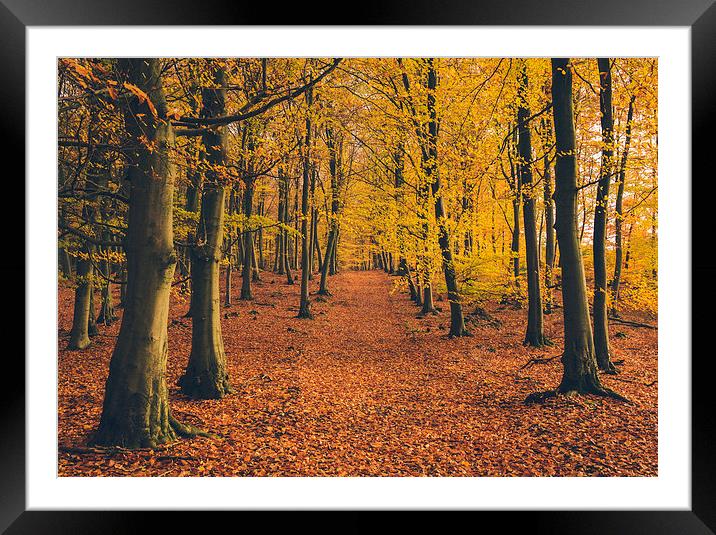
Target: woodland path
[(367, 388)]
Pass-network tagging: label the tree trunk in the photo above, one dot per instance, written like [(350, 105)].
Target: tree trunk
[(579, 363), (535, 330), (79, 335), (261, 259), (549, 255), (246, 272), (92, 319), (136, 409), (304, 310), (106, 313), (601, 324), (193, 197), (255, 276), (335, 163), (64, 262), (457, 320), (618, 216), (206, 375), (227, 274), (286, 240)]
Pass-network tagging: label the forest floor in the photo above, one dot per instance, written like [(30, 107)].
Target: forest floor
[(369, 389)]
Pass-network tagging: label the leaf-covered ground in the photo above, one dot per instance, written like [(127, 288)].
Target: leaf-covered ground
[(369, 389)]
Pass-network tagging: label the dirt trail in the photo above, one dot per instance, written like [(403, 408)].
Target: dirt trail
[(367, 388)]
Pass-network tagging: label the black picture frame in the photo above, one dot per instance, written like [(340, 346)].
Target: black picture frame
[(700, 15)]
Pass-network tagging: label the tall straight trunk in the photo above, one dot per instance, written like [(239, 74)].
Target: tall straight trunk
[(426, 301), (400, 230), (246, 272), (549, 255), (619, 212), (106, 313), (535, 330), (313, 222), (317, 245), (627, 256), (323, 289), (297, 224), (516, 186), (255, 277), (283, 179), (79, 335), (601, 321), (92, 318), (579, 364), (423, 190), (206, 375), (193, 196), (260, 232), (335, 163), (279, 261), (304, 310), (515, 244), (457, 320), (278, 257), (412, 290), (136, 409), (228, 271), (333, 270)]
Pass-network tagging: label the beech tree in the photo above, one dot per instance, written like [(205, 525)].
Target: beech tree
[(601, 321), (136, 410), (180, 177), (535, 329), (578, 359), (206, 376)]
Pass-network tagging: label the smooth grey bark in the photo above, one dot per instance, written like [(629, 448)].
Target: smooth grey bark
[(601, 321), (549, 255), (535, 324), (619, 213), (79, 334), (335, 169), (304, 310), (246, 272), (284, 185), (578, 360), (206, 375), (136, 412)]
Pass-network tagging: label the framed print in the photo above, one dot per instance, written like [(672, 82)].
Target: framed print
[(438, 259)]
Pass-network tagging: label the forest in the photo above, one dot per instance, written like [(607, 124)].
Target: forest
[(357, 266)]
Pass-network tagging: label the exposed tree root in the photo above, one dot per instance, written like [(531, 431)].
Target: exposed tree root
[(462, 333), (539, 342), (305, 314), (432, 311), (541, 397), (611, 370), (188, 430)]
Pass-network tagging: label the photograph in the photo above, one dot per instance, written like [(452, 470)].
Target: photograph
[(357, 266)]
